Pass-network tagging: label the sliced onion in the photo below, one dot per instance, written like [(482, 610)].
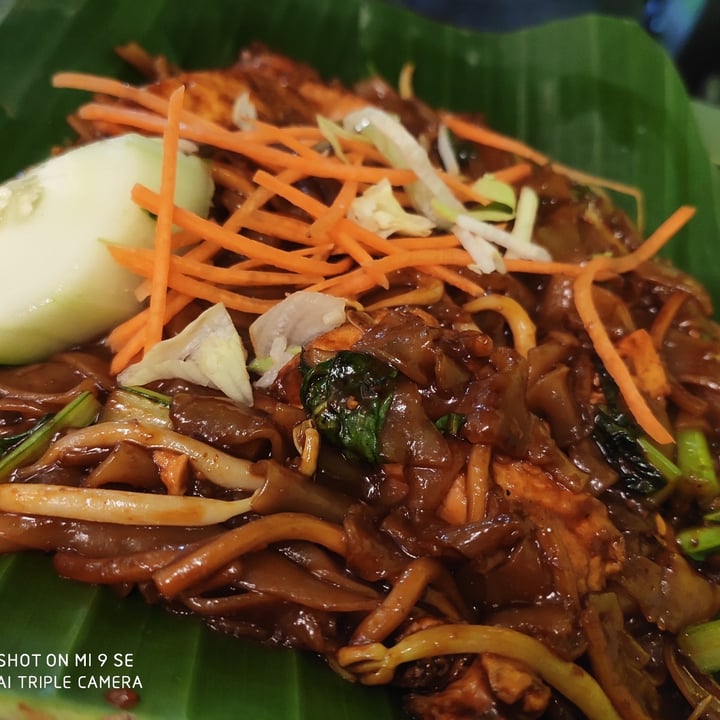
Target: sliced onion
[(527, 207), (486, 257), (207, 352), (378, 210), (402, 150), (446, 151), (278, 334), (244, 112), (498, 236)]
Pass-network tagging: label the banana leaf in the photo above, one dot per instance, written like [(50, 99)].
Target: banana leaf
[(593, 92)]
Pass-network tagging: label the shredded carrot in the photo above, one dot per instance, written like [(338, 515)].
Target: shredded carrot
[(320, 248), (370, 240), (637, 347), (127, 352), (463, 191), (126, 340), (663, 320), (255, 201), (540, 267), (110, 86), (117, 115), (191, 286), (248, 146), (231, 177), (613, 362), (594, 180), (513, 174), (655, 242), (421, 243), (358, 281), (485, 136), (455, 279), (274, 224), (337, 211), (124, 91), (279, 135), (142, 262), (348, 231), (235, 242), (163, 226), (608, 353)]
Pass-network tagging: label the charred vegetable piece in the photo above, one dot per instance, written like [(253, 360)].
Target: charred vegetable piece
[(79, 412), (620, 440), (348, 397)]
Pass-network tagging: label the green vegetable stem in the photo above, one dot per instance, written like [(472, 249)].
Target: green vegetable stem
[(79, 412)]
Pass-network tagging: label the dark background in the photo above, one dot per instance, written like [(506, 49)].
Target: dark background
[(688, 29)]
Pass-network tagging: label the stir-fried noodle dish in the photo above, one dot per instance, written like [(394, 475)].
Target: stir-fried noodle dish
[(412, 397)]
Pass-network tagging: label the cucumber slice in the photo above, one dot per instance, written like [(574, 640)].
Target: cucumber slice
[(59, 286)]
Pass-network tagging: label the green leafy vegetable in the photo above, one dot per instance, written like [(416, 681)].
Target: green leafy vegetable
[(10, 441), (619, 438), (348, 397), (450, 424), (79, 412)]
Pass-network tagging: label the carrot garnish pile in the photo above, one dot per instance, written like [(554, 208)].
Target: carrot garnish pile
[(318, 246)]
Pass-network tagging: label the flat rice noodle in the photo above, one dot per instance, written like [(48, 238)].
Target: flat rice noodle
[(270, 573), (283, 624), (495, 406), (130, 568), (324, 567), (229, 426), (617, 660), (552, 398), (406, 341), (127, 464), (371, 555), (96, 539), (550, 622), (669, 591), (409, 436), (285, 490), (483, 538)]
